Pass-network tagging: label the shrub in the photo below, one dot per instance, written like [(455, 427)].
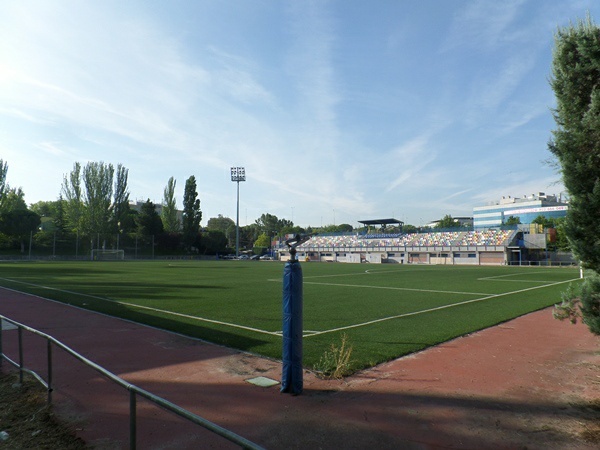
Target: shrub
[(582, 303), (335, 362)]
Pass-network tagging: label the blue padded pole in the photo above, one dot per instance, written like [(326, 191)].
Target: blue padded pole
[(291, 380)]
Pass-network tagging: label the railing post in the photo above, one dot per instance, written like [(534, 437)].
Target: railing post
[(49, 371), (132, 420), (20, 355)]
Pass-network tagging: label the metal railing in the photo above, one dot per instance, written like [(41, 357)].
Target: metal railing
[(134, 391)]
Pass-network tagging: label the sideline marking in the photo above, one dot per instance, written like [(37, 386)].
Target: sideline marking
[(415, 313), (187, 316)]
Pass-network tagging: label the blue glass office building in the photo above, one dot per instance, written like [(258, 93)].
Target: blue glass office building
[(526, 208)]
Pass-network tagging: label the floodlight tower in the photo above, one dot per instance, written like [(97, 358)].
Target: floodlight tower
[(238, 174)]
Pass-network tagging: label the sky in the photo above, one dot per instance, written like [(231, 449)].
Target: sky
[(339, 111)]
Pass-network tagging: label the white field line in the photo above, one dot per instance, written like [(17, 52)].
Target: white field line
[(366, 272), (396, 288), (438, 308), (496, 278), (514, 281), (304, 332), (201, 319), (187, 316)]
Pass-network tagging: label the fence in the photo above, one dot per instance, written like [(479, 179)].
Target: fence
[(54, 245), (134, 391)]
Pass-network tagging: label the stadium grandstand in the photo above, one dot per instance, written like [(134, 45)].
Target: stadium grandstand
[(492, 246)]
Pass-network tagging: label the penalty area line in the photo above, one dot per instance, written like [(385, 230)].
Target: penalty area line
[(396, 288), (498, 277)]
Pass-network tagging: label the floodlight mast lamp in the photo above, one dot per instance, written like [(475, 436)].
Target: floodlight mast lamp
[(238, 174)]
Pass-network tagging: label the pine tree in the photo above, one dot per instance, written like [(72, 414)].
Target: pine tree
[(576, 145)]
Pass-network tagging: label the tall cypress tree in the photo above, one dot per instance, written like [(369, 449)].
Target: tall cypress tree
[(576, 145), (191, 212)]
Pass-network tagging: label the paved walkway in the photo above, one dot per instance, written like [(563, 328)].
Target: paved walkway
[(511, 386)]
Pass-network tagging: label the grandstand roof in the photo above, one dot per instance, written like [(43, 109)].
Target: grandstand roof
[(381, 222)]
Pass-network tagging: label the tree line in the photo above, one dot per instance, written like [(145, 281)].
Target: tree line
[(94, 211), (93, 208)]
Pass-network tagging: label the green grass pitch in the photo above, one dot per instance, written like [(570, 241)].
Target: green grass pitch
[(385, 310)]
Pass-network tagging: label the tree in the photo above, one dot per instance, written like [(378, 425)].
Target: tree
[(16, 220), (248, 235), (556, 239), (59, 219), (575, 144), (169, 208), (149, 223), (93, 205), (409, 229), (74, 207), (13, 199), (191, 213), (97, 178), (214, 242), (44, 209), (329, 229), (291, 230), (544, 221), (220, 223), (263, 241), (120, 207), (47, 211), (562, 242), (3, 185), (447, 222), (345, 228), (512, 220), (268, 223), (19, 223), (225, 225)]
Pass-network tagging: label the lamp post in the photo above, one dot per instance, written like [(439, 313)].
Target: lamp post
[(238, 174)]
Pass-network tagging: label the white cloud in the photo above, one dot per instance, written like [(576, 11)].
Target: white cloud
[(237, 78), (408, 161), (52, 148), (483, 25)]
